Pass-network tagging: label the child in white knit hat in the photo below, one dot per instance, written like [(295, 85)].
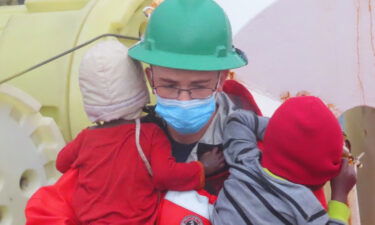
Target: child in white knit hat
[(122, 168)]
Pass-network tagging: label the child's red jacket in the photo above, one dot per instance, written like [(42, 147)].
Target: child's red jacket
[(114, 186)]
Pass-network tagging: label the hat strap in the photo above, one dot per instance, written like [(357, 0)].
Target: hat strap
[(139, 148)]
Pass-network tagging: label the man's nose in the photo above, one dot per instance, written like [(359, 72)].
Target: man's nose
[(184, 95)]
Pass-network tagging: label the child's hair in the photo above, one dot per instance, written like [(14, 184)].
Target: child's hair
[(303, 142), (112, 84)]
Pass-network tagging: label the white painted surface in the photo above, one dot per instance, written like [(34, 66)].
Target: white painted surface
[(240, 12), (323, 47)]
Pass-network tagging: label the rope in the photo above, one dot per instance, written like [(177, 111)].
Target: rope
[(65, 53)]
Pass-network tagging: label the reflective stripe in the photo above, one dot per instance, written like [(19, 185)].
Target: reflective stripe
[(191, 201)]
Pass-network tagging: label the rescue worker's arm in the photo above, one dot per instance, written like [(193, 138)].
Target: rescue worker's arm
[(167, 173), (68, 154)]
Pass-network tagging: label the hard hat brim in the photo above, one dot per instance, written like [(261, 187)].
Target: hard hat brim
[(185, 61)]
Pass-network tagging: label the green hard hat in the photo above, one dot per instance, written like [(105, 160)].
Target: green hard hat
[(188, 34)]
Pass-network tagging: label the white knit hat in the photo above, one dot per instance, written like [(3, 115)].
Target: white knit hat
[(112, 84)]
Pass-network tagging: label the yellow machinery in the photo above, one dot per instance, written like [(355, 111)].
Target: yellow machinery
[(41, 110)]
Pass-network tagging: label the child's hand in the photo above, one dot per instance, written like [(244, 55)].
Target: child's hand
[(212, 161), (344, 182)]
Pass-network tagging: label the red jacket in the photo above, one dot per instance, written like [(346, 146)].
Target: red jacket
[(114, 186)]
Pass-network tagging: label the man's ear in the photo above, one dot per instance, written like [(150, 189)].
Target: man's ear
[(222, 78), (148, 73)]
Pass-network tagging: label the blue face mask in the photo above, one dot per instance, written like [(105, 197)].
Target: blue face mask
[(186, 117)]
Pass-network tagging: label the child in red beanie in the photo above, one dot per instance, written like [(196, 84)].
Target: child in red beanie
[(303, 147)]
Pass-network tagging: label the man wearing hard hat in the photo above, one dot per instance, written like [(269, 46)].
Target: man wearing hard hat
[(188, 45)]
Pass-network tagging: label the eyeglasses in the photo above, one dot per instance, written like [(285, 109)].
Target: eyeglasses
[(174, 93)]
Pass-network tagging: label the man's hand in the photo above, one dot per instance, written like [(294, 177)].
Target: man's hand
[(343, 182), (212, 161)]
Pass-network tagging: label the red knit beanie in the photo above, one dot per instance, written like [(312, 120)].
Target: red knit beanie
[(303, 142)]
